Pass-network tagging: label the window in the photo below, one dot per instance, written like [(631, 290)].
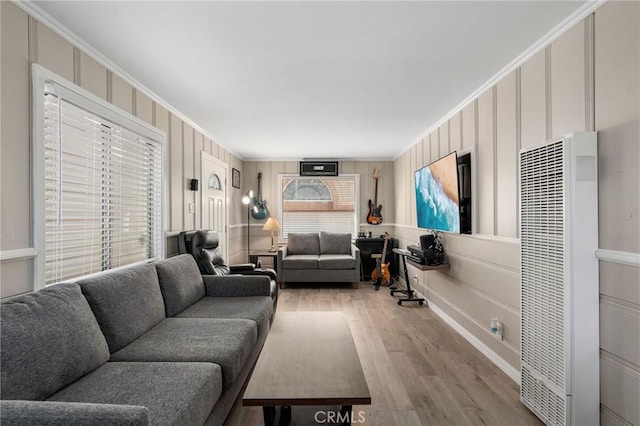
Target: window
[(97, 183), (214, 182), (314, 204)]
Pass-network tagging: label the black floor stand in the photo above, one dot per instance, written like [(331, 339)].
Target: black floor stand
[(410, 293)]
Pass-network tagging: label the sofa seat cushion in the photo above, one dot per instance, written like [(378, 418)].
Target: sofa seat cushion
[(300, 261), (227, 342), (126, 303), (336, 261), (335, 243), (174, 392), (303, 243), (255, 308), (49, 339)]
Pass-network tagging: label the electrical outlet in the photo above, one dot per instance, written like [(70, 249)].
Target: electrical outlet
[(192, 208), (496, 328)]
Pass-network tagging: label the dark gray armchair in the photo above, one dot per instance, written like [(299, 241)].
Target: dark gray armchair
[(204, 244)]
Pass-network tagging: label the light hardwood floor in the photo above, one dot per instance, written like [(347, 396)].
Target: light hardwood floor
[(419, 370)]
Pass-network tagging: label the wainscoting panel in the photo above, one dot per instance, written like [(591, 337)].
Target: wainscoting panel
[(620, 387), (53, 52), (620, 328), (568, 82), (486, 161), (14, 132), (620, 282), (93, 76), (16, 277), (534, 115)]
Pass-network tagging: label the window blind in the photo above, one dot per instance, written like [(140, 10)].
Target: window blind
[(102, 189), (312, 204)]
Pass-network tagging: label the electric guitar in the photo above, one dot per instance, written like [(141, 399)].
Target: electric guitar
[(381, 274), (375, 216), (260, 210)]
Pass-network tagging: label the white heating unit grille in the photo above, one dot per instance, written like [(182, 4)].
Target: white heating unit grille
[(559, 280)]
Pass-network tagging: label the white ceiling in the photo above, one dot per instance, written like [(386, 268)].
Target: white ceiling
[(302, 79)]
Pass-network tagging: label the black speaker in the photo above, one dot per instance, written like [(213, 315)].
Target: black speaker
[(193, 184), (369, 246), (426, 241)]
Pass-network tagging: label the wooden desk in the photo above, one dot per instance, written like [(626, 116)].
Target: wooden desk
[(309, 358)]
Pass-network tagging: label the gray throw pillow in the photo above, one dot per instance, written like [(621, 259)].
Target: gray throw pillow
[(335, 243)]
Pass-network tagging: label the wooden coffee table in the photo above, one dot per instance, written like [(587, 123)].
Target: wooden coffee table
[(309, 358)]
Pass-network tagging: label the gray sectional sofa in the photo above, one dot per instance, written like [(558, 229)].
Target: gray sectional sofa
[(323, 257), (156, 344)]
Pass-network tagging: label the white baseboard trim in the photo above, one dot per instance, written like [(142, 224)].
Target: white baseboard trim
[(18, 254), (503, 365)]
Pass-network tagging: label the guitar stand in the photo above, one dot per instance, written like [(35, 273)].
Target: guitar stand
[(409, 292)]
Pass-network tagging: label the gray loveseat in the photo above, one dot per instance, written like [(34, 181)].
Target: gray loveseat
[(323, 257), (156, 344)]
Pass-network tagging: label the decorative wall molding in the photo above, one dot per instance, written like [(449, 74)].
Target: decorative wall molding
[(18, 254), (483, 262), (620, 257), (480, 293), (629, 368), (621, 305)]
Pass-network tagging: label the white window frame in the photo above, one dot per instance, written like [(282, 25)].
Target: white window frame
[(98, 106), (282, 176)]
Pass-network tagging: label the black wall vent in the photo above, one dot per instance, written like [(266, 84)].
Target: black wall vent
[(318, 168)]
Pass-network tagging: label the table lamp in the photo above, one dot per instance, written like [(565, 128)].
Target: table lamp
[(271, 225)]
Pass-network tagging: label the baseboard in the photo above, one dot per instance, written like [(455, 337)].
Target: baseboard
[(503, 365)]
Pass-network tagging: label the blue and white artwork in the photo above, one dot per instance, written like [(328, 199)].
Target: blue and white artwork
[(437, 200)]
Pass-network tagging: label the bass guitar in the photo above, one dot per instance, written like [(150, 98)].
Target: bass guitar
[(260, 210), (381, 274), (375, 211)]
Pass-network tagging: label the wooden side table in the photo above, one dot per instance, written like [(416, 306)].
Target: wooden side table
[(254, 255)]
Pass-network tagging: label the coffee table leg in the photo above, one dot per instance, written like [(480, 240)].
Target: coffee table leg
[(269, 414), (345, 413)]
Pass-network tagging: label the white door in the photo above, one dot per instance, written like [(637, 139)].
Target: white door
[(214, 198)]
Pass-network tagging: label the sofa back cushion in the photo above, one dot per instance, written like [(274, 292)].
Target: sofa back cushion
[(126, 303), (303, 243), (335, 243), (49, 339), (180, 282)]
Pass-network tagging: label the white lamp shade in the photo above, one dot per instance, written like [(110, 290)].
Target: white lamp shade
[(271, 224)]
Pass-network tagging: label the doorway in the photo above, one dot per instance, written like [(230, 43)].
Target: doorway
[(214, 198)]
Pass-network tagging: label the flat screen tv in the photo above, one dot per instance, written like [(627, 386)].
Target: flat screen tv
[(437, 197)]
